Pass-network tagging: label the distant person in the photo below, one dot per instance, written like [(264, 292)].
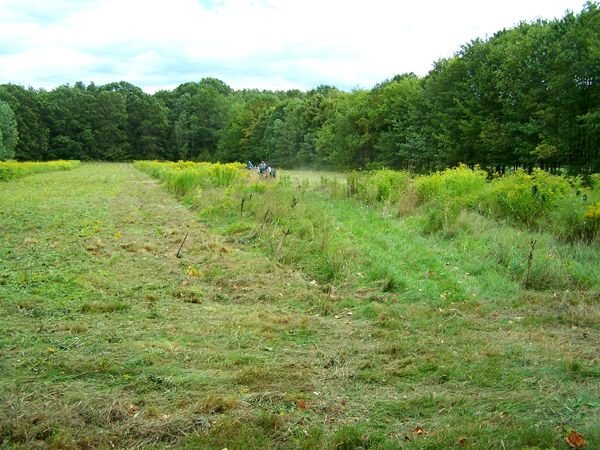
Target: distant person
[(262, 167)]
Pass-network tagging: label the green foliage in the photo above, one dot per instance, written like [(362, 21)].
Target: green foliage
[(8, 132), (28, 106), (185, 178), (557, 203), (526, 198), (377, 186), (298, 232), (576, 218), (11, 169), (459, 184), (442, 216)]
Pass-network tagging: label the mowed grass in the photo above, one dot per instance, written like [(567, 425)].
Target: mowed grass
[(408, 340)]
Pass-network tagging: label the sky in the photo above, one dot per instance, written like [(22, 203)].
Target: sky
[(262, 44)]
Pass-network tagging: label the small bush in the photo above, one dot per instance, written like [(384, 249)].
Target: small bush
[(442, 217), (461, 184), (12, 169), (446, 194), (526, 198), (576, 220), (184, 178)]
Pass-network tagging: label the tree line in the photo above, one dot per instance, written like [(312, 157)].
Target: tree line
[(527, 96)]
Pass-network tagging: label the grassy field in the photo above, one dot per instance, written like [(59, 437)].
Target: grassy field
[(294, 319), (311, 176)]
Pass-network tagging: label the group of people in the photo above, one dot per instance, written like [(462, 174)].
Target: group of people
[(263, 169)]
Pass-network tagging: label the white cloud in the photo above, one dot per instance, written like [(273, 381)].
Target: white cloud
[(247, 43)]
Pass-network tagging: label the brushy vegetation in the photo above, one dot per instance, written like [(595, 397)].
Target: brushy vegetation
[(330, 230), (13, 169), (185, 177), (455, 240), (297, 316)]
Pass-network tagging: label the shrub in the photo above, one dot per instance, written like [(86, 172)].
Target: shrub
[(12, 169), (526, 198), (442, 217), (461, 184), (185, 177), (576, 219), (446, 194)]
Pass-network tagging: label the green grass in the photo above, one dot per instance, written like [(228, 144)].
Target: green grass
[(326, 324), (311, 176)]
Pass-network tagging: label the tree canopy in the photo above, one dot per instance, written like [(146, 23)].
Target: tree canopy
[(527, 96), (8, 132)]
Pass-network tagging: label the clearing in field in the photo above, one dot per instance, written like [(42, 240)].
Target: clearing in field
[(393, 337)]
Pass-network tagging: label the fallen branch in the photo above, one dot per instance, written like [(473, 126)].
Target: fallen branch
[(181, 246)]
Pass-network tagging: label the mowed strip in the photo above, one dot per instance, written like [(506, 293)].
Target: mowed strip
[(107, 336)]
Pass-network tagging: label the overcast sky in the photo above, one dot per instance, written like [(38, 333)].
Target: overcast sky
[(265, 44)]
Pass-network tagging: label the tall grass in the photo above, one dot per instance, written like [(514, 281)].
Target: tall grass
[(335, 232), (491, 291), (538, 201), (184, 177), (377, 186), (527, 198), (456, 184), (11, 169)]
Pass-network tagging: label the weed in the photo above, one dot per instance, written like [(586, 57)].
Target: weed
[(12, 169)]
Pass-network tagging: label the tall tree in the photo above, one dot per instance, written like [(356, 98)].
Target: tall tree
[(67, 113), (109, 120), (201, 111), (240, 140), (27, 104), (8, 132), (147, 122), (392, 112)]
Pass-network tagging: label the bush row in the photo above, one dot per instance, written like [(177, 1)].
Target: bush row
[(185, 177), (12, 169), (565, 206)]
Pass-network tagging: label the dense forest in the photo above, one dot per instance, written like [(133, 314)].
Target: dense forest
[(527, 96)]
